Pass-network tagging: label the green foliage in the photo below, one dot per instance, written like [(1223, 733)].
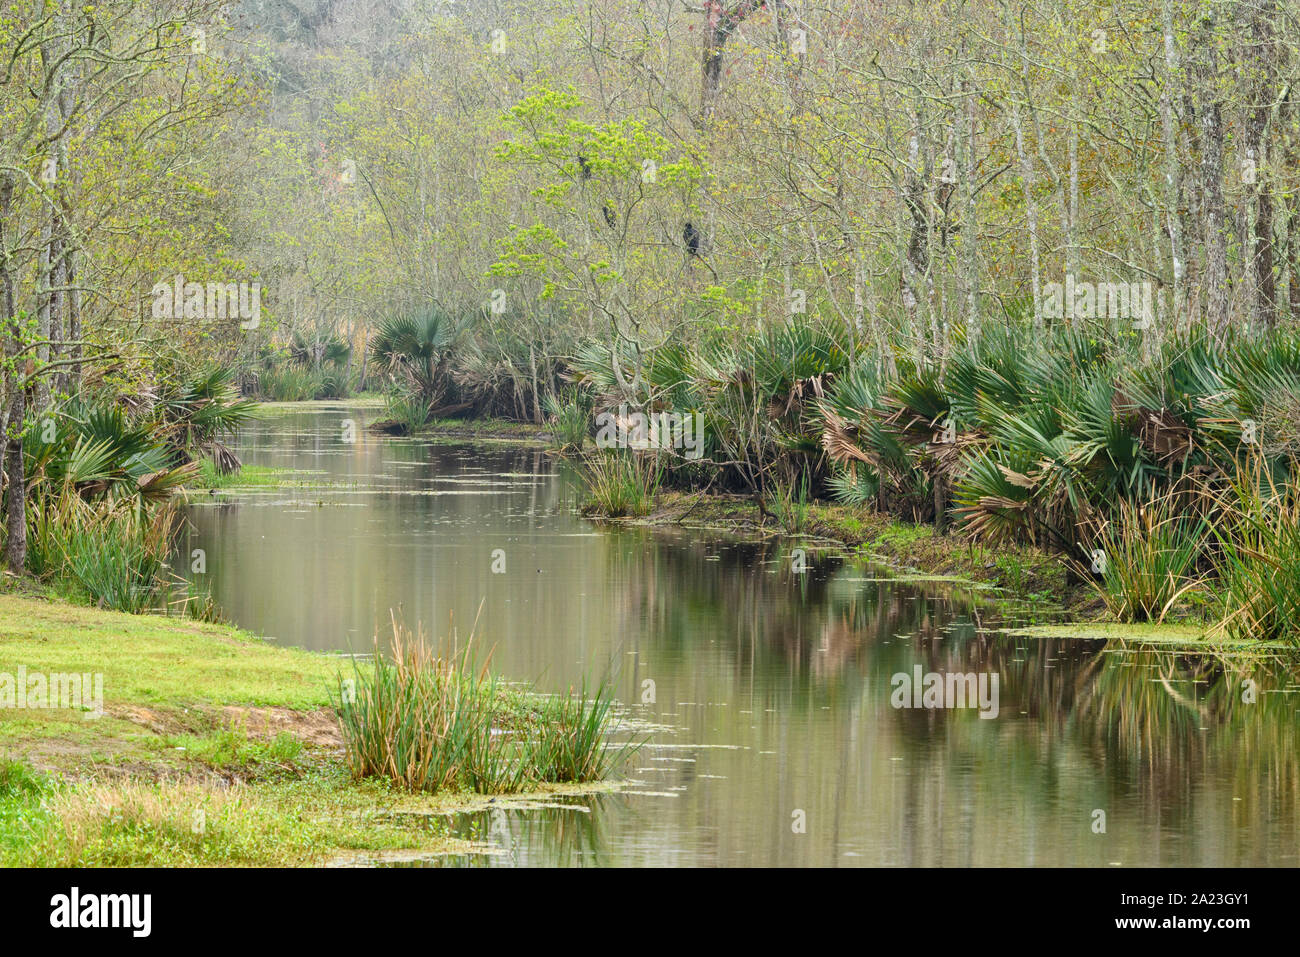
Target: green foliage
[(231, 747), (406, 412), (97, 451), (114, 552), (1145, 557), (418, 351), (620, 483), (17, 779), (431, 722), (1258, 560), (569, 417), (790, 505), (290, 384), (1039, 436)]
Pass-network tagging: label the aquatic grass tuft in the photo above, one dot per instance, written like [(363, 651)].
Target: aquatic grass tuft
[(115, 551), (1258, 560), (407, 414), (1145, 559), (570, 418), (791, 505), (430, 721), (620, 483), (571, 741)]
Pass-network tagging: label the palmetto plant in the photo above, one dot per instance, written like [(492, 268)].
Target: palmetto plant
[(1046, 437), (195, 413), (758, 396), (97, 451), (419, 351), (317, 352)]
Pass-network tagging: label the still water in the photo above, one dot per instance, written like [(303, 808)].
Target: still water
[(778, 744)]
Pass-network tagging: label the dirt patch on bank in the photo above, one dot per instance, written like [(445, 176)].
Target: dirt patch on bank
[(317, 728)]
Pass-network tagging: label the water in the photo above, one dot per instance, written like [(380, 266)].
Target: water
[(780, 745)]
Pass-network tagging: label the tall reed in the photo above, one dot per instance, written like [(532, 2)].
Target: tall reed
[(1258, 561), (620, 482), (430, 721), (114, 549), (1144, 559)]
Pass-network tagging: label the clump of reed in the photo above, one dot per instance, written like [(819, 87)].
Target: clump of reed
[(288, 384), (1145, 559), (432, 721), (571, 740), (116, 550), (791, 505), (569, 417), (1258, 557), (406, 413), (620, 483)]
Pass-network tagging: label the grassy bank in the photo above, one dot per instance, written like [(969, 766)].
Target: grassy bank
[(1162, 472), (214, 748)]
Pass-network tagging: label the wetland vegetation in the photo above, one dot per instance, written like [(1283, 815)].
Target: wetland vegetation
[(718, 364)]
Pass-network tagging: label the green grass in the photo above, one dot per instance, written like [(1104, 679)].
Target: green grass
[(434, 721), (149, 659), (620, 484), (204, 717), (17, 780), (1026, 572), (247, 476), (22, 815), (309, 820), (230, 747), (1180, 635), (487, 429)]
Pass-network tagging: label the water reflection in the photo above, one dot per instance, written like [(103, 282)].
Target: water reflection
[(775, 686)]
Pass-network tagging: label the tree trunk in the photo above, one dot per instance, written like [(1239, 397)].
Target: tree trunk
[(16, 500), (720, 22), (1031, 211), (1211, 121), (365, 358), (72, 302), (1173, 169), (44, 296), (916, 256), (1260, 14), (971, 226)]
